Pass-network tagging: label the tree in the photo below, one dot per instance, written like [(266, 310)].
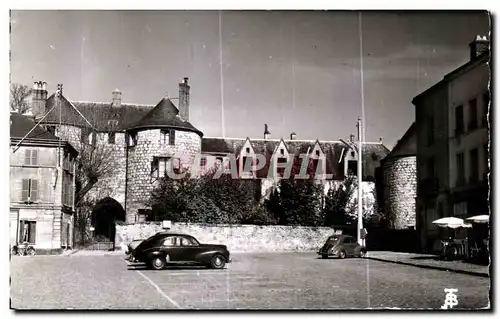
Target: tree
[(94, 163), (18, 95), (338, 204), (297, 201)]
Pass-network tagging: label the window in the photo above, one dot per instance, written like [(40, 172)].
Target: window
[(486, 103), (160, 166), (92, 138), (459, 120), (111, 138), (113, 123), (27, 231), (314, 165), (352, 167), (132, 139), (83, 135), (170, 241), (248, 165), (168, 137), (280, 167), (474, 165), (430, 130), (460, 169), (472, 114), (430, 168), (186, 241), (29, 190), (248, 149), (317, 152), (203, 162), (353, 154), (31, 157), (282, 152)]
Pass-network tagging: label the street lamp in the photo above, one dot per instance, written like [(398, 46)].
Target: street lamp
[(359, 150)]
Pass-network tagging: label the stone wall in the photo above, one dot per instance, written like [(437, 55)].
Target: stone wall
[(238, 238), (400, 191), (140, 182)]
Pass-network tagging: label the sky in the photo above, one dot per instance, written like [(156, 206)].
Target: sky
[(297, 71)]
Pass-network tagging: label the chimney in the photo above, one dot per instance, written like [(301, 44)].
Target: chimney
[(479, 46), (184, 89), (39, 99), (380, 140), (266, 132), (117, 98), (293, 136), (351, 138)]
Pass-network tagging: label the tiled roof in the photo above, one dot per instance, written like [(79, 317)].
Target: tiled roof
[(164, 114), (373, 153), (128, 116), (22, 124), (97, 113)]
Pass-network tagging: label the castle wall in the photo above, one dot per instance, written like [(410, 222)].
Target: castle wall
[(140, 182), (400, 191)]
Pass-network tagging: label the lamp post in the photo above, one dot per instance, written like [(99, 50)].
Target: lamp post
[(359, 151)]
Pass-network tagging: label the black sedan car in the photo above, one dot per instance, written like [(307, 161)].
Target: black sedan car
[(167, 247)]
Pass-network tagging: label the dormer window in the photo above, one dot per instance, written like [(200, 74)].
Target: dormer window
[(281, 165), (248, 149), (317, 152), (167, 137), (282, 151), (113, 123), (353, 154)]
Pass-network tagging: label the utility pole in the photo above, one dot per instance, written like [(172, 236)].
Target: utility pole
[(360, 179), (359, 151)]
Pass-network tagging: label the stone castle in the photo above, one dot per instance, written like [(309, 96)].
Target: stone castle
[(145, 141)]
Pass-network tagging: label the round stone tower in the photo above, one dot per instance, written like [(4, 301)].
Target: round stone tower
[(161, 141)]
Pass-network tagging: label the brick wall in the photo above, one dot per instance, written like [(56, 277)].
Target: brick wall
[(140, 183), (238, 238), (400, 180)]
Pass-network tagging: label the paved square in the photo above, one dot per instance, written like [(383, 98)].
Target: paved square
[(252, 281)]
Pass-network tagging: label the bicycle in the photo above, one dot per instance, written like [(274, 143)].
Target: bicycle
[(24, 249)]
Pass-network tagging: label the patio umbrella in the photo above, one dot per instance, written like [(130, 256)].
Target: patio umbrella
[(479, 219), (451, 222)]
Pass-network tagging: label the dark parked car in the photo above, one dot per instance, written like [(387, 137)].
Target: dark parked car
[(166, 247), (342, 246)]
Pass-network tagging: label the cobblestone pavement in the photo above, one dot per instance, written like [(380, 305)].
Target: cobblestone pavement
[(427, 260), (252, 281)]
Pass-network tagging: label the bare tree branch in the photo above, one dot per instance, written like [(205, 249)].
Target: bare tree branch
[(18, 95), (95, 162)]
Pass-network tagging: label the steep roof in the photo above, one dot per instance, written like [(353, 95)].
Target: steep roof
[(22, 124), (164, 115), (97, 113), (372, 152)]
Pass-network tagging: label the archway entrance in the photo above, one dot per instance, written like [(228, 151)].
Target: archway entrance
[(106, 212)]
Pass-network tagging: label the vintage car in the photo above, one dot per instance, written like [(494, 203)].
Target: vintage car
[(166, 247), (342, 246)]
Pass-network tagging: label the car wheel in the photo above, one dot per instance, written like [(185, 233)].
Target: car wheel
[(158, 263), (31, 251), (217, 262), (362, 253), (342, 254)]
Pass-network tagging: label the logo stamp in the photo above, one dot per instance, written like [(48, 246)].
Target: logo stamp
[(451, 298)]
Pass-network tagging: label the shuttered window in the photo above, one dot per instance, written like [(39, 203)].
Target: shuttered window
[(30, 190), (27, 231), (31, 157)]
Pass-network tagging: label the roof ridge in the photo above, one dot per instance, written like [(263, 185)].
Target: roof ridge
[(101, 102), (285, 140)]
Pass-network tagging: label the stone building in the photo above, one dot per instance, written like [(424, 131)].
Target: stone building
[(149, 140), (41, 187), (399, 182), (447, 186)]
